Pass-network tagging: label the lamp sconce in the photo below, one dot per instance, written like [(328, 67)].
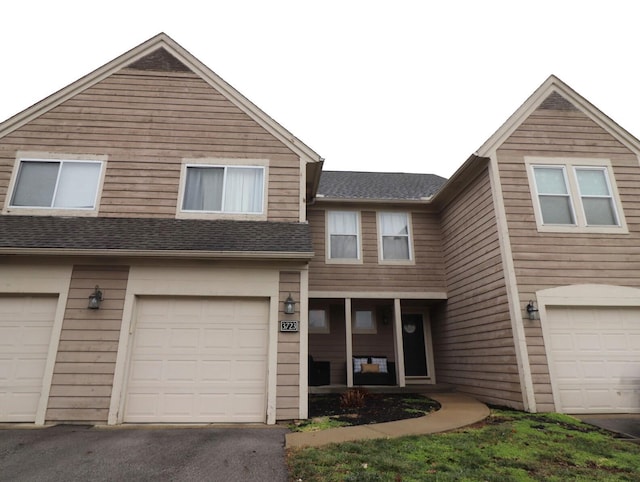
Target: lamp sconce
[(289, 305), (532, 310), (95, 299)]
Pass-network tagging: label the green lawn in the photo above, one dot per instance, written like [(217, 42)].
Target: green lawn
[(508, 446)]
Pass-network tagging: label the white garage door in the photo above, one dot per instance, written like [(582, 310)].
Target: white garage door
[(595, 352), (25, 333), (198, 360)]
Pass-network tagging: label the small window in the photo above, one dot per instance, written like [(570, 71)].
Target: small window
[(576, 195), (318, 322), (343, 230), (224, 189), (394, 236), (595, 193), (363, 322), (56, 184), (553, 193)]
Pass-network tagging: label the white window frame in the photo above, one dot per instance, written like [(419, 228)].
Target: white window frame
[(358, 330), (61, 159), (409, 235), (325, 327), (225, 163), (358, 234), (569, 166)]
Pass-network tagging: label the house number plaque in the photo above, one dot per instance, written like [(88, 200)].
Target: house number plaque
[(289, 325)]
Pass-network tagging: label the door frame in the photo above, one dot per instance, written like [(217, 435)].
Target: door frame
[(428, 346), (597, 295), (37, 280)]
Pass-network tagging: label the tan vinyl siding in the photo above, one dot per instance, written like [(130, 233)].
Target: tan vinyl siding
[(85, 363), (288, 378), (472, 335), (331, 346), (546, 260), (426, 274), (147, 122)]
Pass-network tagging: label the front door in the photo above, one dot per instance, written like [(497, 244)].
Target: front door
[(413, 341)]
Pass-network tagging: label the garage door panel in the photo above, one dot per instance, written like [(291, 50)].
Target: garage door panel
[(595, 352), (26, 324), (198, 360), (220, 338)]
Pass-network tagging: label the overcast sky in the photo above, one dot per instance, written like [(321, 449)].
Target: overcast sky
[(403, 86)]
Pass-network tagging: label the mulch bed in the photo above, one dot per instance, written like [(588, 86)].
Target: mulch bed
[(377, 407)]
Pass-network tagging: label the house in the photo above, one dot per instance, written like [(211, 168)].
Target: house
[(228, 267)]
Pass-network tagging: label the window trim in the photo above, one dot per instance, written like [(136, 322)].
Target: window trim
[(358, 258), (326, 328), (381, 260), (23, 156), (569, 166), (223, 163)]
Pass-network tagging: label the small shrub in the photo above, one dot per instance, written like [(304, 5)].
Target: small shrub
[(354, 398)]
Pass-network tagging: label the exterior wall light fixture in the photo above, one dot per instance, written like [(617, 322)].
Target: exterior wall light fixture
[(289, 305), (95, 299), (532, 310)]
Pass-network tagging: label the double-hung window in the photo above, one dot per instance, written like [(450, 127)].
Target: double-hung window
[(343, 236), (575, 195), (56, 184), (395, 234), (224, 189)]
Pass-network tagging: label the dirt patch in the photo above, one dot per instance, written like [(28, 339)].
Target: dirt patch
[(377, 408)]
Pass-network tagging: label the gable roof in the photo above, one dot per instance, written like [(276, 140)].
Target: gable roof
[(555, 93), (163, 49), (153, 237), (349, 185), (552, 94)]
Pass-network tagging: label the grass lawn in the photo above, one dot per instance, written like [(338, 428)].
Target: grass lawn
[(508, 446)]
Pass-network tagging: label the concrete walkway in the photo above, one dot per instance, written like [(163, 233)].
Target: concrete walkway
[(456, 410)]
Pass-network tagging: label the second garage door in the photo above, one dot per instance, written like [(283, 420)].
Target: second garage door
[(595, 352), (198, 360)]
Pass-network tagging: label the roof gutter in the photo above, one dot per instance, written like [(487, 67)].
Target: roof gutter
[(158, 253), (423, 201)]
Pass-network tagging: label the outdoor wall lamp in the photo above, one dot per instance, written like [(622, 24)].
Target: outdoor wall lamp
[(532, 310), (289, 305), (95, 299)]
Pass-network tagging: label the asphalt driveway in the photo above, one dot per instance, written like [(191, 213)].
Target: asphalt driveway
[(68, 452)]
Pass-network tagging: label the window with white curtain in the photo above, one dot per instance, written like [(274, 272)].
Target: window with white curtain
[(343, 229), (56, 184), (224, 189), (575, 196), (394, 236)]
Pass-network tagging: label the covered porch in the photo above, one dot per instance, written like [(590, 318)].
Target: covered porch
[(381, 343)]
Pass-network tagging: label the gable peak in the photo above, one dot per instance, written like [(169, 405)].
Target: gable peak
[(555, 101), (160, 61)]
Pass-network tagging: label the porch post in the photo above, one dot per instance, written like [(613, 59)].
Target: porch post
[(397, 332), (349, 344)]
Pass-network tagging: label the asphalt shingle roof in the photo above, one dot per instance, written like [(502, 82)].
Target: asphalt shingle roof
[(142, 234), (378, 185)]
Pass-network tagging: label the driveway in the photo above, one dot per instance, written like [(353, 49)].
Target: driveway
[(626, 426), (68, 452)]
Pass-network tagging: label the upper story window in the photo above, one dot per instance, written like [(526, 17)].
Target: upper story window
[(224, 189), (56, 184), (575, 195), (343, 228), (395, 236)]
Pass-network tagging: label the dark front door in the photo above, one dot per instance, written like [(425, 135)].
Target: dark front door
[(415, 354)]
